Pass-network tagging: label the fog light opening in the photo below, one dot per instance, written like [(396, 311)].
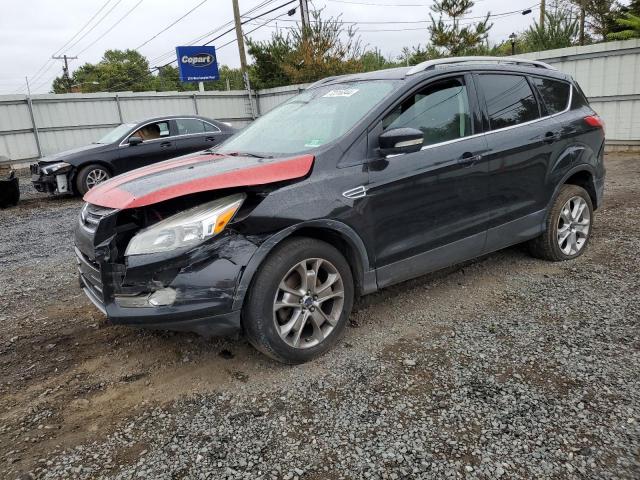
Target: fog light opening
[(163, 297)]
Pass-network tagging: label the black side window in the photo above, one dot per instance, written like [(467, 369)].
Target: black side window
[(510, 100), (554, 93), (188, 126), (210, 128), (440, 110), (579, 99)]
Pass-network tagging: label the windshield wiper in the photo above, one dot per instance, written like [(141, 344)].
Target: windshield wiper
[(247, 154)]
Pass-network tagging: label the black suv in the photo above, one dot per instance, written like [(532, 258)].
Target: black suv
[(359, 182)]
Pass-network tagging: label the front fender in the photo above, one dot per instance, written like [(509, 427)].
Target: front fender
[(367, 278)]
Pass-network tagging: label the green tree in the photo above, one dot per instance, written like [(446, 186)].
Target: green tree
[(561, 29), (630, 27), (417, 54), (449, 36), (118, 70), (326, 47), (600, 16)]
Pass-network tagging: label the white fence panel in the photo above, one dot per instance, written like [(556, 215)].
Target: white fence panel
[(137, 107), (609, 73)]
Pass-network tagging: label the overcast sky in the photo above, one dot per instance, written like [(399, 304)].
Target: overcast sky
[(32, 30)]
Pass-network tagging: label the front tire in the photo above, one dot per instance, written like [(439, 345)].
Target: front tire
[(568, 227), (300, 301), (90, 176)]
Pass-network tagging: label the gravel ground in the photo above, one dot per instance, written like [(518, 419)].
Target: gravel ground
[(506, 367)]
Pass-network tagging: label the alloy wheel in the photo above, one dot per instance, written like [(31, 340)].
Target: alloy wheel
[(574, 224), (95, 177), (308, 303)]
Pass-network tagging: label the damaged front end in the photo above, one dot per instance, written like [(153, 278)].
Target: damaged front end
[(151, 267), (51, 177)]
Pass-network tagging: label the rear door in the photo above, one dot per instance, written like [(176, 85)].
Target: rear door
[(194, 134), (524, 144), (427, 208)]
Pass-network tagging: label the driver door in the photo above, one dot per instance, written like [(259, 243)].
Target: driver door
[(428, 208), (154, 148)]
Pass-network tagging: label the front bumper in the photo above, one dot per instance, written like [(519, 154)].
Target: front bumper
[(46, 183), (205, 282)]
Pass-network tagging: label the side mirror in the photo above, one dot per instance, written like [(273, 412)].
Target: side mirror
[(134, 140), (400, 140)]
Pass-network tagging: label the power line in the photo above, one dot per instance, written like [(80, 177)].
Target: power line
[(172, 24), (157, 68), (392, 22), (83, 27), (100, 20), (111, 28)]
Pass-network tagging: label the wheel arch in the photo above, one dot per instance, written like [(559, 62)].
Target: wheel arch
[(582, 175), (336, 233)]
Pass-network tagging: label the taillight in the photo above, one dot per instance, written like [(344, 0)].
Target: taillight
[(594, 121)]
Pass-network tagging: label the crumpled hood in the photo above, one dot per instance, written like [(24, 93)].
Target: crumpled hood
[(75, 155), (186, 175)]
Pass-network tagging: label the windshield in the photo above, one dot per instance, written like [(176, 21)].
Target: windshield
[(311, 119), (116, 133)]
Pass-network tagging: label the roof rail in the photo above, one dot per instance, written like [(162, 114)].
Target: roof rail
[(433, 64)]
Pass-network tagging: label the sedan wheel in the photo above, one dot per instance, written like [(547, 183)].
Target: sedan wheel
[(91, 176), (95, 177)]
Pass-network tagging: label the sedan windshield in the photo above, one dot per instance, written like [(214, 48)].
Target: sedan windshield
[(116, 133), (311, 119)]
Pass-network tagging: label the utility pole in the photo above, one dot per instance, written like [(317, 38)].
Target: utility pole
[(243, 55), (239, 36), (582, 15), (304, 12), (542, 11), (65, 69)]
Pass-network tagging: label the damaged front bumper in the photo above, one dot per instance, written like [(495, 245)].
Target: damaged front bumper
[(51, 178), (185, 291)]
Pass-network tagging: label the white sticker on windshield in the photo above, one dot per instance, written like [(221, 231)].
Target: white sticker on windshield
[(345, 92)]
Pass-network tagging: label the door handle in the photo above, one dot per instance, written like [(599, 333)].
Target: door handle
[(551, 137), (468, 159), (210, 139), (165, 144)]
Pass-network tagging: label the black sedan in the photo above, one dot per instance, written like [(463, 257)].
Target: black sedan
[(126, 147)]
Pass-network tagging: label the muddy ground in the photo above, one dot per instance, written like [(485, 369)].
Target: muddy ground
[(505, 366)]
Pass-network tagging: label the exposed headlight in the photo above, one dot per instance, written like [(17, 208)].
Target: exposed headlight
[(188, 228), (56, 168)]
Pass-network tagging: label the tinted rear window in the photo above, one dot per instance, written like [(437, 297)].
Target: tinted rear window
[(510, 100), (554, 93), (578, 100)]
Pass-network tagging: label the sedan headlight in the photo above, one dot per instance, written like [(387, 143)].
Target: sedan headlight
[(56, 168), (188, 228)]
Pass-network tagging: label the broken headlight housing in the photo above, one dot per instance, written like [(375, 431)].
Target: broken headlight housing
[(186, 229), (56, 168)]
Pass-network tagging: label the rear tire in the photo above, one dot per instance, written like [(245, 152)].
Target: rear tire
[(299, 301), (568, 227), (90, 176)]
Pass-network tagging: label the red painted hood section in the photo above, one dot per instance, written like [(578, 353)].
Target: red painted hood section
[(186, 175)]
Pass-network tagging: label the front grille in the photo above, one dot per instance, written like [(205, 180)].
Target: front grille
[(34, 168), (90, 276), (91, 215)]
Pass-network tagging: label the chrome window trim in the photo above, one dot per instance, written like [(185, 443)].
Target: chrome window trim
[(490, 132), (124, 143)]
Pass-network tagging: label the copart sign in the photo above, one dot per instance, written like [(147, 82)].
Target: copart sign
[(197, 64)]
